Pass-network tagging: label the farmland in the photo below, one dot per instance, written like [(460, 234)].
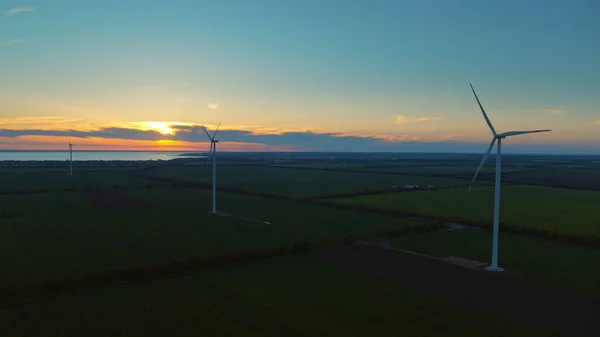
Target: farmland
[(562, 210), (524, 257), (297, 183), (165, 225), (121, 236), (277, 298)]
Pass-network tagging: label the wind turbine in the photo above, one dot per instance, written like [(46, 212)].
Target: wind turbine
[(213, 152), (70, 157), (497, 138)]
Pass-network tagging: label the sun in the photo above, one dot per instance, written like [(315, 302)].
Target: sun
[(162, 127)]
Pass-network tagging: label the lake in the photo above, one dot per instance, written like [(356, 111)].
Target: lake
[(90, 155)]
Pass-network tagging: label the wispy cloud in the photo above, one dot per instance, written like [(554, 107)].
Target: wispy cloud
[(553, 112), (424, 119), (10, 42), (598, 122), (18, 10), (400, 119), (403, 119), (213, 106), (37, 120)]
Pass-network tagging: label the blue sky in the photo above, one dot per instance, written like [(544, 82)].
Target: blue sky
[(386, 71)]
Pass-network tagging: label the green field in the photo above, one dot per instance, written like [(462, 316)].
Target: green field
[(297, 183), (50, 236), (566, 211), (577, 177), (466, 171), (322, 165), (524, 257), (105, 219), (283, 297), (320, 220), (59, 180)]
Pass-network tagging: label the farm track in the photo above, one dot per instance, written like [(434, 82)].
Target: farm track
[(544, 306)]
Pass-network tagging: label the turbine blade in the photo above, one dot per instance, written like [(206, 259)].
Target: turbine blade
[(516, 133), (206, 131), (487, 120), (217, 129), (482, 162)]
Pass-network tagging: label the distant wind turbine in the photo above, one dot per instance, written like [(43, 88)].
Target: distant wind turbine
[(497, 137), (70, 157), (213, 153)]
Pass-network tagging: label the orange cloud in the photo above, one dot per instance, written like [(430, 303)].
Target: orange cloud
[(400, 119), (44, 123), (424, 119)]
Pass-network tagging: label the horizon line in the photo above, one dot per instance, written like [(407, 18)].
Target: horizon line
[(300, 152)]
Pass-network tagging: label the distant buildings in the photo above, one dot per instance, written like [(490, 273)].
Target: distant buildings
[(412, 187)]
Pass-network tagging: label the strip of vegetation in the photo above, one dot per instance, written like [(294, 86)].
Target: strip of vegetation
[(547, 234), (175, 267), (373, 192)]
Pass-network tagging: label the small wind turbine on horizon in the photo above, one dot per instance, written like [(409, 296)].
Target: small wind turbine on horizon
[(213, 153), (70, 157), (496, 138)]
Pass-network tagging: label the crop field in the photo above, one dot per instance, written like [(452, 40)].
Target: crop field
[(133, 250), (59, 180), (524, 257), (323, 165), (320, 220), (578, 177), (54, 235), (562, 210), (276, 298), (297, 183), (465, 171)]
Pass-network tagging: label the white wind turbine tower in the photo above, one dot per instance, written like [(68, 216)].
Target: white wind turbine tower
[(213, 153), (497, 137), (70, 157)]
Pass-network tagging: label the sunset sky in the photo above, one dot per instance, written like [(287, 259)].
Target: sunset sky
[(299, 75)]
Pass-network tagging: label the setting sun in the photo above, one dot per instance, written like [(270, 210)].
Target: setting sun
[(162, 127)]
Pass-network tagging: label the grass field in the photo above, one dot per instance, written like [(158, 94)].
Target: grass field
[(563, 210), (524, 257), (297, 183), (285, 297), (53, 235)]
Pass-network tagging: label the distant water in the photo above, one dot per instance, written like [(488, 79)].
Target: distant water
[(89, 155)]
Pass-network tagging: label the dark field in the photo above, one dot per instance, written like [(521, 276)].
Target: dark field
[(143, 216), (565, 211), (297, 183), (524, 257), (289, 297)]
